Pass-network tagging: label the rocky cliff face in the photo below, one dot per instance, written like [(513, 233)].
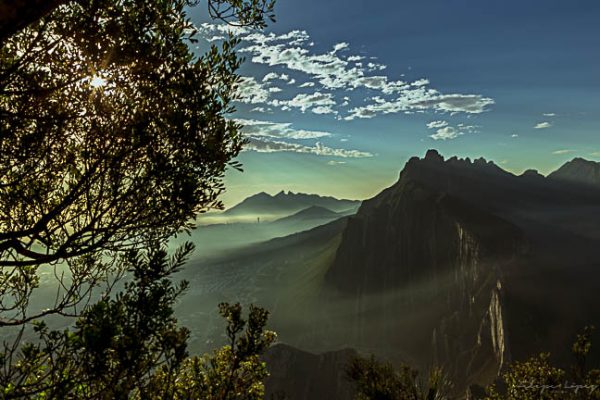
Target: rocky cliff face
[(459, 264), (424, 232)]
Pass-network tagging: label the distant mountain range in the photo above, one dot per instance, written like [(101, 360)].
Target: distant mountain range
[(288, 203), (459, 263)]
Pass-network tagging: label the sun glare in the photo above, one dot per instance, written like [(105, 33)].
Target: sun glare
[(97, 81)]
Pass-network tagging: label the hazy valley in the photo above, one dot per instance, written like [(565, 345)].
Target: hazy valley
[(459, 263)]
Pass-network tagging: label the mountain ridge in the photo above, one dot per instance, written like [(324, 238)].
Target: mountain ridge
[(288, 203), (480, 238)]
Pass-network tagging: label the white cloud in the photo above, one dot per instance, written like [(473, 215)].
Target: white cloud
[(423, 99), (514, 135), (307, 101), (340, 46), (272, 146), (542, 125), (324, 110), (355, 58), (270, 76), (252, 92), (563, 151), (437, 124), (333, 162), (276, 130), (446, 133), (549, 115), (420, 82), (337, 71), (376, 67), (261, 110), (274, 90)]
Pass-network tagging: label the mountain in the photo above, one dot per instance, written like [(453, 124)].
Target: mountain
[(285, 275), (310, 213), (215, 240), (579, 171), (300, 375), (282, 204), (459, 264), (493, 266)]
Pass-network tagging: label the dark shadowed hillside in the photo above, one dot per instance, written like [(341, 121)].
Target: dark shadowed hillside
[(579, 171)]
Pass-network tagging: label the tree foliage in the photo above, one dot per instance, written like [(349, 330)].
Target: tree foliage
[(538, 379), (130, 347), (113, 137), (377, 380), (112, 133)]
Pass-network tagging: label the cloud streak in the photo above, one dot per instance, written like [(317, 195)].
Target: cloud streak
[(274, 146), (276, 130)]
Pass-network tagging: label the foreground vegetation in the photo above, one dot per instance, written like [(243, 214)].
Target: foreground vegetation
[(533, 379)]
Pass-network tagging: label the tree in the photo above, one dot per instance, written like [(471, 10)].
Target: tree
[(112, 133), (376, 380), (113, 137), (16, 15), (130, 347), (537, 379)]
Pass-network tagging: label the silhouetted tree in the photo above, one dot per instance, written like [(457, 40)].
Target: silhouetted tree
[(113, 137), (16, 15), (112, 132)]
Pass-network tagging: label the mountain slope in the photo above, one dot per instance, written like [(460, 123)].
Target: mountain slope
[(579, 171), (482, 253)]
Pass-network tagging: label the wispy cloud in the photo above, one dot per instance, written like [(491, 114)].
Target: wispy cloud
[(542, 125), (446, 132), (423, 99), (252, 92), (276, 130), (563, 151), (549, 115), (305, 101), (334, 162), (437, 124), (273, 146)]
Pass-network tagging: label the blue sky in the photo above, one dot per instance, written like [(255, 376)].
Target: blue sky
[(338, 94)]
